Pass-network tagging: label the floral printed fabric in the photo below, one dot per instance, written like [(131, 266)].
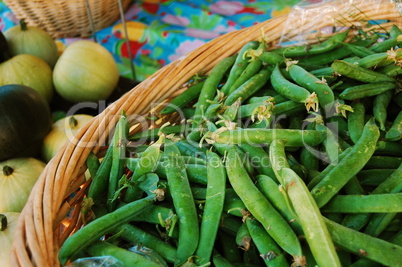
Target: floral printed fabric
[(160, 31)]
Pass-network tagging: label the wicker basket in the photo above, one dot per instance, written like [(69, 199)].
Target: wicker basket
[(43, 225), (68, 18)]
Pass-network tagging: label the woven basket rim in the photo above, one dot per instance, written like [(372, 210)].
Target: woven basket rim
[(62, 19), (38, 238)]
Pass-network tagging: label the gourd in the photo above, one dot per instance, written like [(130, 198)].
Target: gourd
[(25, 119), (24, 39), (85, 71), (28, 70), (17, 178), (8, 228), (62, 131)]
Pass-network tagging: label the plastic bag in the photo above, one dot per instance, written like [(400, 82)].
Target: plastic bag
[(110, 261), (301, 25), (101, 261)]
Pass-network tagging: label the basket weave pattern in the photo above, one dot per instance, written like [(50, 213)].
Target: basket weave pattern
[(41, 231), (70, 18)]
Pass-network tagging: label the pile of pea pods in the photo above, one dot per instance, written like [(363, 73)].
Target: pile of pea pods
[(282, 157)]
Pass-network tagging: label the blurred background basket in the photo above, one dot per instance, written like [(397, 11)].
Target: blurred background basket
[(44, 224), (62, 18)]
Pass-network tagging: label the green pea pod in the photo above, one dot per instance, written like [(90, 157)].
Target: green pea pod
[(359, 73), (118, 145), (274, 193), (233, 204), (252, 68), (373, 177), (248, 88), (337, 53), (293, 91), (272, 95), (319, 177), (183, 202), (305, 50), (307, 80), (259, 158), (393, 184), (356, 121), (210, 87), (93, 164), (366, 90), (240, 64), (326, 58), (374, 203), (94, 230), (310, 218), (331, 144), (389, 147), (358, 50), (365, 246), (349, 166), (97, 190), (147, 163), (272, 58), (153, 134), (288, 108), (391, 70), (293, 137), (309, 159), (270, 252), (219, 260), (136, 235), (371, 61), (243, 238), (395, 132), (260, 207), (380, 107), (155, 214), (183, 99), (213, 207), (386, 44)]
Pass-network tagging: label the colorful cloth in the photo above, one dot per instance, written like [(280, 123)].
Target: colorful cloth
[(160, 31)]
